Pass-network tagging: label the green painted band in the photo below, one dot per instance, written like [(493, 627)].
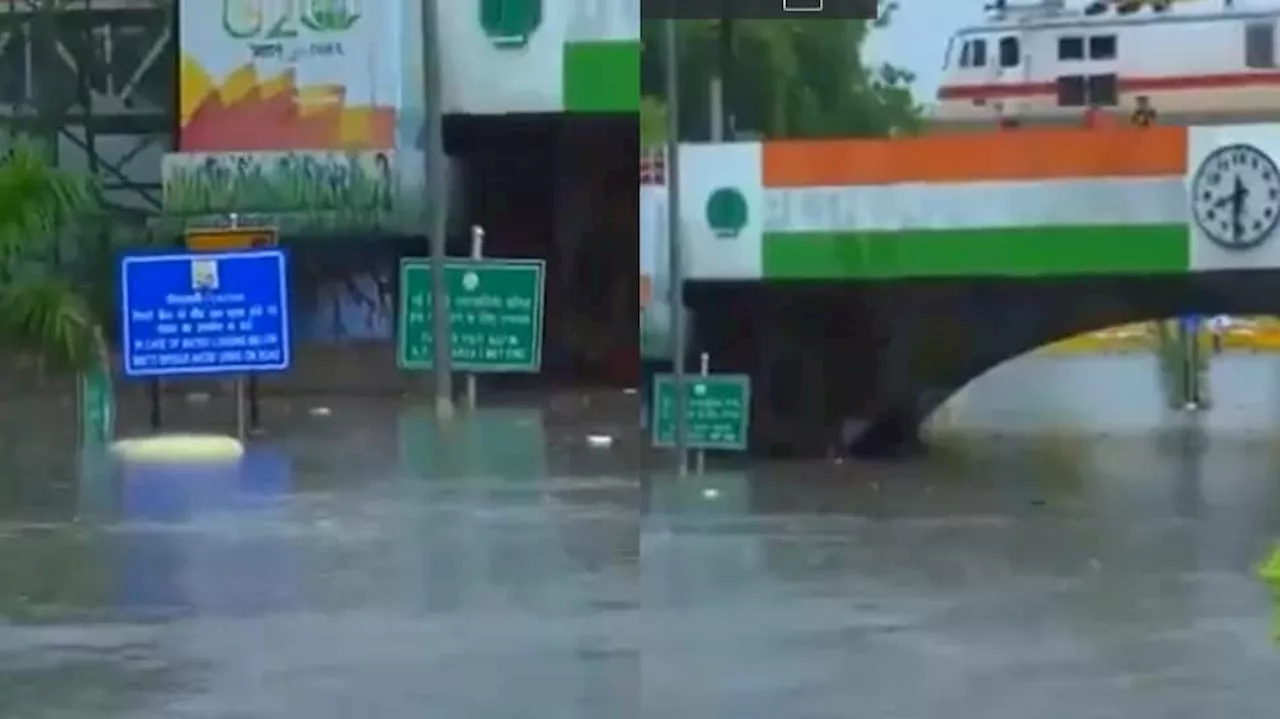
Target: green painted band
[(602, 76), (1017, 252)]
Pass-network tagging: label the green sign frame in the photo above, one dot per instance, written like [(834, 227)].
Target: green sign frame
[(708, 425), (96, 409), (480, 342)]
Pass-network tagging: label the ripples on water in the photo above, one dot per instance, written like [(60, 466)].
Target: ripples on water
[(1074, 580), (1102, 579), (322, 589)]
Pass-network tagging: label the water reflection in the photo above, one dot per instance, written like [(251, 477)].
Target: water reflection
[(186, 546), (1061, 579), (317, 579)]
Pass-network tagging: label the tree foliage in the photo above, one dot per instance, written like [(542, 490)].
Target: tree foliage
[(653, 121), (787, 79), (41, 312)]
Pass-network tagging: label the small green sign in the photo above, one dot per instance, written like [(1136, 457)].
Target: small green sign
[(496, 313), (718, 411), (97, 408)]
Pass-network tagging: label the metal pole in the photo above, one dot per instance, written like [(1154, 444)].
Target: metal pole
[(674, 247), (704, 369), (1191, 357), (242, 405), (477, 253), (437, 178)]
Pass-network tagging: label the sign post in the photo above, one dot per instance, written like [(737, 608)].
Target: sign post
[(477, 254), (717, 412), (205, 313), (225, 239), (495, 310)]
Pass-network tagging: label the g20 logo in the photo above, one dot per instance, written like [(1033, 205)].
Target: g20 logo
[(282, 19)]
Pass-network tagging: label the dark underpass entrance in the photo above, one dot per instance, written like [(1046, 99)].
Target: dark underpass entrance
[(559, 188), (858, 367)]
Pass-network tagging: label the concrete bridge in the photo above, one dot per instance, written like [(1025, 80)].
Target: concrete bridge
[(861, 283)]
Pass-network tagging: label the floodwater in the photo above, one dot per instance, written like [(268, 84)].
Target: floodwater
[(363, 564), (337, 573)]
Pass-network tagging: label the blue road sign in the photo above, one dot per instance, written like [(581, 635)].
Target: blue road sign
[(204, 313)]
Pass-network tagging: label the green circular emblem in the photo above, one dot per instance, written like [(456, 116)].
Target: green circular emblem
[(510, 23), (727, 212)]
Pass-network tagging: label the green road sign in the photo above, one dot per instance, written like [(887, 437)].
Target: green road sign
[(97, 408), (719, 408), (495, 311)]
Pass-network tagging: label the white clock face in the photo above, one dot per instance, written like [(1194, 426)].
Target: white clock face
[(1235, 197)]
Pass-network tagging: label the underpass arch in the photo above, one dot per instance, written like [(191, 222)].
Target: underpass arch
[(1068, 308), (828, 356)]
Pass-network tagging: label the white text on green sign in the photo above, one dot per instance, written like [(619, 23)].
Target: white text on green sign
[(495, 315), (717, 409)]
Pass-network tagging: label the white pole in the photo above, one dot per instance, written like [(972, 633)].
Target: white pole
[(704, 370), (477, 254), (242, 404), (438, 180)]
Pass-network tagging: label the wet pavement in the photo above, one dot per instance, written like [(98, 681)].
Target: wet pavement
[(362, 564)]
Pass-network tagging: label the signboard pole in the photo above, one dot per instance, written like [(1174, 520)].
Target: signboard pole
[(477, 254), (704, 370), (437, 178), (674, 246), (242, 417)]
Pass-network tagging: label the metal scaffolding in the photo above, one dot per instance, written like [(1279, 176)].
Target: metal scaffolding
[(96, 80)]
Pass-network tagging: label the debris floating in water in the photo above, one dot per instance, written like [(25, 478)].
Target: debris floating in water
[(599, 441)]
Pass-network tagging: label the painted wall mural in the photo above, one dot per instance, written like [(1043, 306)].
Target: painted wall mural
[(346, 294), (308, 113), (288, 75)]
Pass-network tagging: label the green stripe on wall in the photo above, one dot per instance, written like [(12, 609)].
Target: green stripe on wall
[(952, 253), (602, 76)]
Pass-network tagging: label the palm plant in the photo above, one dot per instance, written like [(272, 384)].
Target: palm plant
[(41, 313)]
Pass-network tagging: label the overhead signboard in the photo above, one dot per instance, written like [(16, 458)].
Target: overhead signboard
[(204, 313)]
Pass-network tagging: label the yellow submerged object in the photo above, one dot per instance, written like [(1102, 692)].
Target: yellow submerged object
[(181, 448)]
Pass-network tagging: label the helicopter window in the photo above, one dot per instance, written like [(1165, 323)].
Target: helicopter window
[(966, 53), (1070, 48), (1009, 53), (1260, 45), (1102, 47), (1071, 91)]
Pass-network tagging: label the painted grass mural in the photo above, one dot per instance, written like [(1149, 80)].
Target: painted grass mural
[(294, 190)]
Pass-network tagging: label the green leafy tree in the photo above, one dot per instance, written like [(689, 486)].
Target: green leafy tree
[(786, 79), (653, 121), (42, 312)]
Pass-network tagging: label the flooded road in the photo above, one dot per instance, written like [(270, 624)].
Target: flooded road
[(1086, 582), (337, 573), (362, 565)]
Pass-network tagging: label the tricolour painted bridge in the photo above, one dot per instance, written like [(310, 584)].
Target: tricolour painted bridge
[(862, 282)]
